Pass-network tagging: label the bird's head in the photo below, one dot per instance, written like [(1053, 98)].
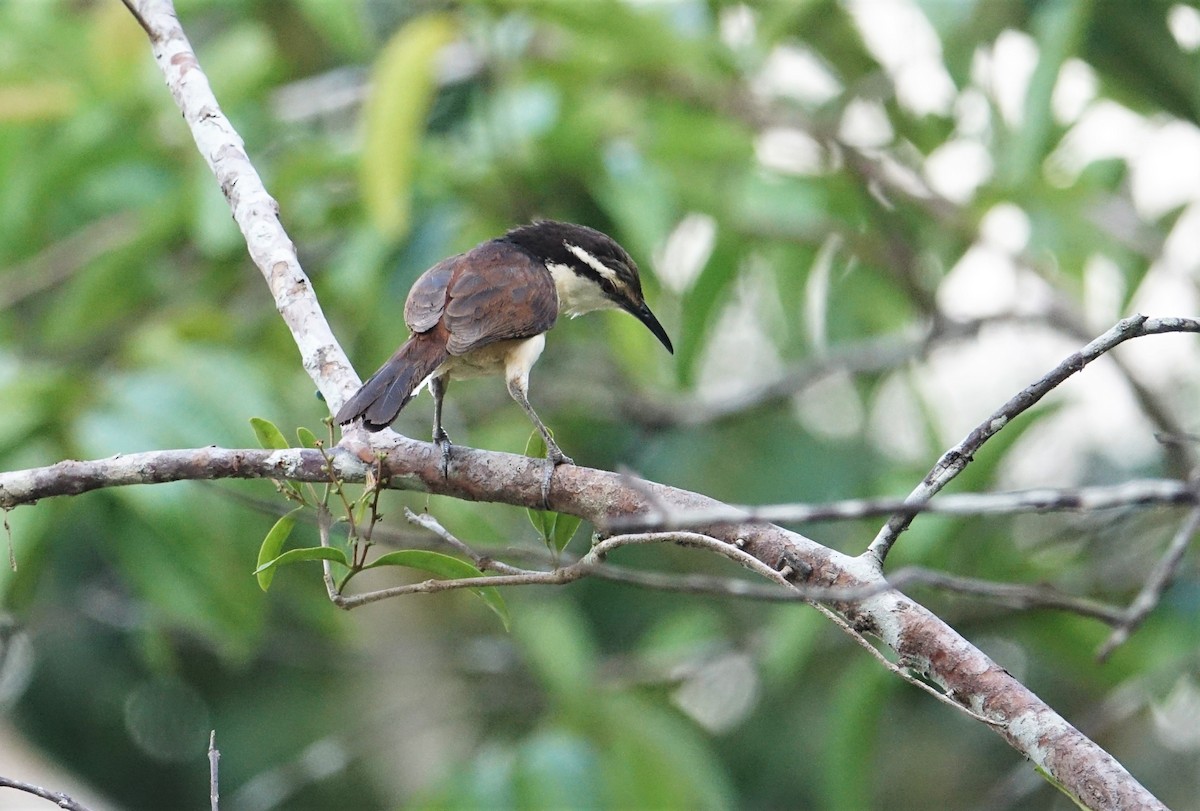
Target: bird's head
[(591, 271)]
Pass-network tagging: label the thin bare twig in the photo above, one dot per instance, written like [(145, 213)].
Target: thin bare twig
[(591, 563), (1068, 321), (1155, 585), (12, 553), (1139, 493), (560, 576), (955, 460), (1014, 595), (428, 522), (214, 757), (324, 522), (56, 797), (901, 671)]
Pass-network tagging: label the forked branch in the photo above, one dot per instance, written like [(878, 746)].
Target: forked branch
[(919, 641)]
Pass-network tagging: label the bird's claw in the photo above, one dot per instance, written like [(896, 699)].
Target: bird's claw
[(442, 441), (556, 457)]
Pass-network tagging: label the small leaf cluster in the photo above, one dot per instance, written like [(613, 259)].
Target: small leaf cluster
[(360, 515)]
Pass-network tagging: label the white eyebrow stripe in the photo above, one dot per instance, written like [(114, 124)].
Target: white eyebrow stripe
[(591, 261)]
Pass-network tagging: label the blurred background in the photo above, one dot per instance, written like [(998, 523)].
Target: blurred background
[(864, 224)]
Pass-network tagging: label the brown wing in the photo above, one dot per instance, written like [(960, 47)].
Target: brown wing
[(427, 298), (479, 311)]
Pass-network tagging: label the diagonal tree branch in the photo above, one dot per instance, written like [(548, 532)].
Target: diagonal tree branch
[(1156, 584), (57, 797), (955, 460), (255, 211)]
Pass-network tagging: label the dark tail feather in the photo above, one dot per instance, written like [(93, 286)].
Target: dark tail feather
[(387, 391)]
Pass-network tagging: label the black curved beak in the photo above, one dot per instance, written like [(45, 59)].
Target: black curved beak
[(644, 315)]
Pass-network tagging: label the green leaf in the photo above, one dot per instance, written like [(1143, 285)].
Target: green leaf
[(268, 435), (426, 561), (1058, 28), (305, 553), (702, 305), (271, 545), (535, 447), (565, 527), (271, 438), (542, 520), (307, 438), (446, 567), (402, 90), (556, 529)]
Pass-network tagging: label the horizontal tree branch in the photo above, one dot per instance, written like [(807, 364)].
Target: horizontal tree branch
[(307, 465), (73, 477), (1140, 493), (923, 642)]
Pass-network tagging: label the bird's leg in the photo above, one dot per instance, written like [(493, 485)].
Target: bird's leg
[(516, 388), (437, 387)]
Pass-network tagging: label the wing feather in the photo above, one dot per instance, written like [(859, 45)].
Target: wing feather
[(478, 311), (427, 298)]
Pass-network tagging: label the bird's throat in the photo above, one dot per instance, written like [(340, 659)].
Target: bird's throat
[(576, 294)]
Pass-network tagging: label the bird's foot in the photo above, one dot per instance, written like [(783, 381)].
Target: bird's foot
[(442, 441), (555, 457)]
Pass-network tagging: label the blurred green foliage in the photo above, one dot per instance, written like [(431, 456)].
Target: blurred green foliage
[(131, 319)]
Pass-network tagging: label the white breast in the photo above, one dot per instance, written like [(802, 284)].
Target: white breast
[(577, 295)]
